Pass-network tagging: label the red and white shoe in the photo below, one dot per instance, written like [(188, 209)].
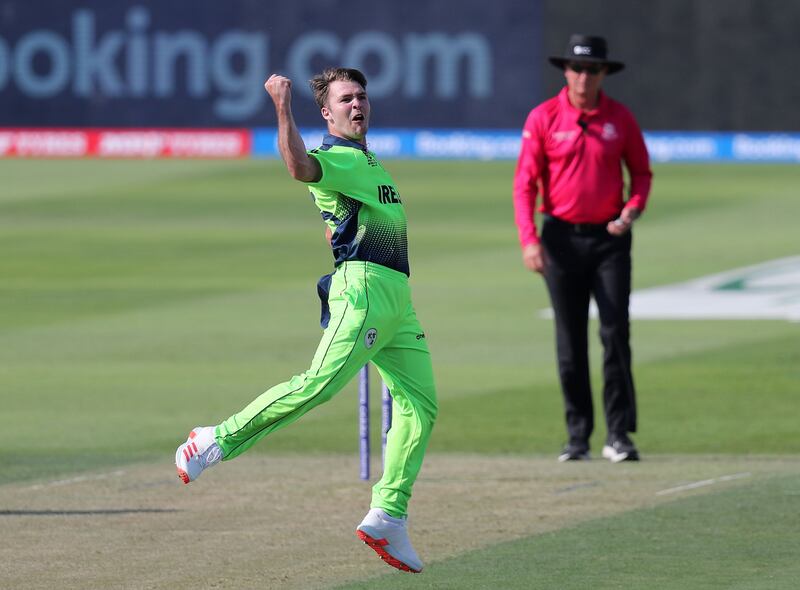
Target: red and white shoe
[(198, 452), (388, 537)]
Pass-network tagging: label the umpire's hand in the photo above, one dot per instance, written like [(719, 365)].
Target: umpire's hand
[(624, 222), (533, 257)]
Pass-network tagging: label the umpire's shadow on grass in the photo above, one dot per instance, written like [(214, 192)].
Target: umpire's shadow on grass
[(99, 512)]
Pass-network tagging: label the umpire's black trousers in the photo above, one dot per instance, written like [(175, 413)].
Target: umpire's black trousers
[(584, 260)]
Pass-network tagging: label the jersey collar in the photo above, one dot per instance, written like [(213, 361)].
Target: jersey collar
[(331, 140)]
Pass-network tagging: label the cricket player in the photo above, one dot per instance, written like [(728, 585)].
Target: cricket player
[(367, 311)]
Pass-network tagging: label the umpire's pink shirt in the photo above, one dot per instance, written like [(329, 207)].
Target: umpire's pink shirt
[(579, 169)]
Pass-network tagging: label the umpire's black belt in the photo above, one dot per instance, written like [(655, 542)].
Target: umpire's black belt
[(578, 228)]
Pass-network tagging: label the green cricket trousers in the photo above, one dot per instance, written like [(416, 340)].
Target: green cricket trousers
[(371, 319)]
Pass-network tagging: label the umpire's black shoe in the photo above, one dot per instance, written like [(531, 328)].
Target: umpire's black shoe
[(575, 451), (619, 447)]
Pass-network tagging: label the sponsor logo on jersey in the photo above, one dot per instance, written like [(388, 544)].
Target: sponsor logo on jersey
[(563, 135), (371, 160), (609, 132)]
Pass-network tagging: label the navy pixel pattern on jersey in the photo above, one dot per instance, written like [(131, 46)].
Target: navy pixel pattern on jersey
[(362, 207)]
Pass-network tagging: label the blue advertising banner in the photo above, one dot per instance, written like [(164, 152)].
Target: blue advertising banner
[(721, 147), (462, 144), (202, 63), (503, 144)]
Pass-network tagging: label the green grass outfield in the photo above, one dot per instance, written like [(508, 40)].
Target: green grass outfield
[(139, 299)]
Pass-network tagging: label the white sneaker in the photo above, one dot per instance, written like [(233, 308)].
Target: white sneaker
[(388, 537), (620, 448), (198, 452)]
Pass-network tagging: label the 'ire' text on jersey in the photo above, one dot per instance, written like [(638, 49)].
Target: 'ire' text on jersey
[(387, 194)]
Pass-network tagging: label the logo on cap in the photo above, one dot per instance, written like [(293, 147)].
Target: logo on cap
[(582, 50)]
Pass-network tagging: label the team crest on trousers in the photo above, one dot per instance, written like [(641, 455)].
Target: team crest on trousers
[(370, 337)]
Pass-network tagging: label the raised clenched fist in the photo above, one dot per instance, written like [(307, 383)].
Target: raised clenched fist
[(279, 88)]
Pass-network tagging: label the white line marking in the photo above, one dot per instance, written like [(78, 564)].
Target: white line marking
[(71, 480), (703, 483)]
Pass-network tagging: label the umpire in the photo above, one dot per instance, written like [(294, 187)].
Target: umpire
[(573, 148)]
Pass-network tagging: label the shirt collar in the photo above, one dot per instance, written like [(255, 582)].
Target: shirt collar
[(331, 140)]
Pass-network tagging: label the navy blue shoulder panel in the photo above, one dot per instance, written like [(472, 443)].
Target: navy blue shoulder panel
[(331, 140)]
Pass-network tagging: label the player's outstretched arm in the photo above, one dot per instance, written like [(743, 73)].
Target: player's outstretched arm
[(293, 151)]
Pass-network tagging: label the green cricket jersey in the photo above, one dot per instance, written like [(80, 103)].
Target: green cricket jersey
[(360, 204)]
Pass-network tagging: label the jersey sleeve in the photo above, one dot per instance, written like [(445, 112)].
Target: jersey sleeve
[(638, 162), (529, 169), (337, 168)]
